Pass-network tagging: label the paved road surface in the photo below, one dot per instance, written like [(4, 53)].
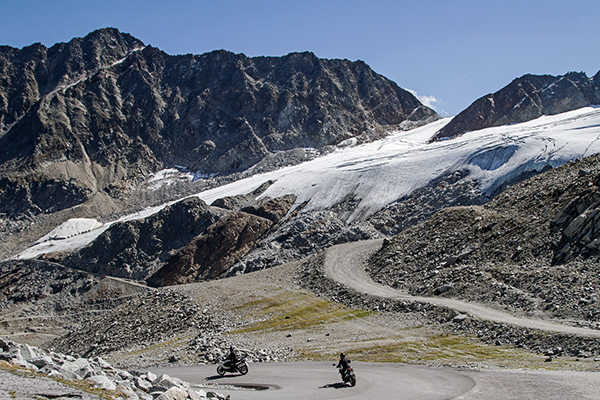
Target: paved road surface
[(320, 380), (345, 263)]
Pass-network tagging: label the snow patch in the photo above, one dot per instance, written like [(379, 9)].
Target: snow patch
[(167, 177), (72, 227)]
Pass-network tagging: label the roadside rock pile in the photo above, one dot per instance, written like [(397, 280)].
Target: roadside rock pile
[(212, 349), (144, 321), (98, 372)]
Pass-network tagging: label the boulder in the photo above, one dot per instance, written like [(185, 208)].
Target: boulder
[(167, 381), (196, 394), (102, 382), (142, 383), (174, 393), (41, 361)]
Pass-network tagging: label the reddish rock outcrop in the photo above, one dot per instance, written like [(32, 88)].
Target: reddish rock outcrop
[(273, 210), (212, 253)]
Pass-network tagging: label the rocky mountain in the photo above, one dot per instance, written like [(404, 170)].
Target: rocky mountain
[(136, 249), (211, 254), (103, 126), (533, 249), (92, 118), (524, 99)]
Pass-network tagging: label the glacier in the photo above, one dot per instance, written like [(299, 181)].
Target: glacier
[(383, 171)]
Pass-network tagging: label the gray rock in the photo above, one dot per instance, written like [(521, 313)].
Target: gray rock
[(174, 393), (142, 383), (167, 381), (41, 361), (196, 394), (102, 382)]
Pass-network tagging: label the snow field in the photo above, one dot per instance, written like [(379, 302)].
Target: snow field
[(381, 172)]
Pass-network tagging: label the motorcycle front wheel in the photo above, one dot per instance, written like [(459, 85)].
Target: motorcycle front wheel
[(220, 370), (352, 380), (243, 369)]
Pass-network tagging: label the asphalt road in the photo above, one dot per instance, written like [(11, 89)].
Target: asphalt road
[(320, 380)]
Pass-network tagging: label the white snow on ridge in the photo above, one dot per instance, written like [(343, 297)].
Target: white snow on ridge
[(381, 172), (72, 227)]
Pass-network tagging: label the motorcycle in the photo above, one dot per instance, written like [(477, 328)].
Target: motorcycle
[(348, 376), (240, 366)]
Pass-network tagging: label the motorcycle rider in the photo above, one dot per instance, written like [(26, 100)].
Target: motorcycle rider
[(231, 359), (344, 364)]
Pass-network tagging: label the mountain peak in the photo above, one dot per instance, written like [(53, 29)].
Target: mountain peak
[(524, 99), (111, 115)]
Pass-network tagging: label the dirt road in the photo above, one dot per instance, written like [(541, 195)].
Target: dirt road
[(345, 263)]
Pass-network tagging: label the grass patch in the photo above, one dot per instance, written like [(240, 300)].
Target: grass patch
[(294, 310), (451, 351)]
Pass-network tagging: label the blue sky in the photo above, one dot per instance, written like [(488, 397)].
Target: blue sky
[(451, 51)]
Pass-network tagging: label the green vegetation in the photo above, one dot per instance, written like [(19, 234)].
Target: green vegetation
[(295, 310), (453, 351)]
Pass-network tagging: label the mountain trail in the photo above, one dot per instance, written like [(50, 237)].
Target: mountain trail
[(345, 263)]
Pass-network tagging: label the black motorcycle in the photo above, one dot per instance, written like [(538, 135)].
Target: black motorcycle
[(348, 376), (240, 366)]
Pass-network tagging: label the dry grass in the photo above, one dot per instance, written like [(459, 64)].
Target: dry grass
[(82, 385)]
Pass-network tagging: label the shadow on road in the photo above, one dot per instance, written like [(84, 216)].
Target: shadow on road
[(337, 385), (215, 377)]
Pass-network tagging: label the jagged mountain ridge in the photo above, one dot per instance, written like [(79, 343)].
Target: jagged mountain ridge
[(525, 99), (99, 113)]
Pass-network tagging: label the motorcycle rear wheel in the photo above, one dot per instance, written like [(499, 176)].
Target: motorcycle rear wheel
[(243, 369)]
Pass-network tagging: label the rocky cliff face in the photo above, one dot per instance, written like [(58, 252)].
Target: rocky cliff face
[(136, 249), (210, 255), (524, 99), (100, 113)]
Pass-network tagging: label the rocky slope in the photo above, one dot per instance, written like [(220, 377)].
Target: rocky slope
[(533, 249), (524, 99), (100, 113), (136, 249)]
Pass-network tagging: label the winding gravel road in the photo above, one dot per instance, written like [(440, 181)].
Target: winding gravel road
[(345, 263)]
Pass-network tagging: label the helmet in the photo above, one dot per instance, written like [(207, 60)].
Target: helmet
[(231, 348), (342, 355)]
